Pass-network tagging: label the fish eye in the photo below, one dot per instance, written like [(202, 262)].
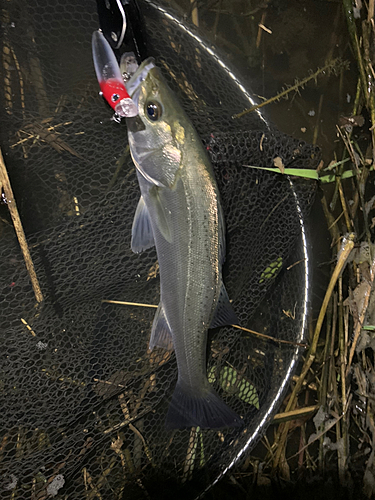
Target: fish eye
[(154, 111)]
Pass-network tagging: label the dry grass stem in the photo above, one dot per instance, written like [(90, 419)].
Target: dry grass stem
[(262, 335), (11, 202), (361, 318), (136, 304), (295, 414), (332, 66), (284, 428)]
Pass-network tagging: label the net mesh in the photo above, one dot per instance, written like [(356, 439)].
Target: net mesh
[(83, 400)]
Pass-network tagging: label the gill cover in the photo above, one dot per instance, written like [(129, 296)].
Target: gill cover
[(154, 147)]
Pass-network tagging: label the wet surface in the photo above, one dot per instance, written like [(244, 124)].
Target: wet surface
[(298, 38)]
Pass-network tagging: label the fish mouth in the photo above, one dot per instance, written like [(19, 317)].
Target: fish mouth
[(133, 86), (135, 124)]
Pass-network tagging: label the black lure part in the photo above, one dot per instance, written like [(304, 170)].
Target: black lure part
[(122, 25)]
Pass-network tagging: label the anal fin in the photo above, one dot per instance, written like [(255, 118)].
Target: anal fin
[(224, 313), (161, 335)]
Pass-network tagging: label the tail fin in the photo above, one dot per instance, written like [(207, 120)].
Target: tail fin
[(208, 411)]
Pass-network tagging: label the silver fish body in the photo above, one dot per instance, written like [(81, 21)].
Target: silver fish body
[(180, 212)]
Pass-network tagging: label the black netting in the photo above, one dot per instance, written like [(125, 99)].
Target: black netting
[(83, 400)]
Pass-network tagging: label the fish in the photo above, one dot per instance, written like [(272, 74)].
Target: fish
[(179, 212)]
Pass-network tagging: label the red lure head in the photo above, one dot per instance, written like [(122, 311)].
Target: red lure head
[(113, 91)]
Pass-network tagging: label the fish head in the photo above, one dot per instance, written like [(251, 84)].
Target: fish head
[(157, 134)]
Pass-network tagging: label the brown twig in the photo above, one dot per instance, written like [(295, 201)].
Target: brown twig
[(4, 181), (268, 337), (295, 414), (263, 335)]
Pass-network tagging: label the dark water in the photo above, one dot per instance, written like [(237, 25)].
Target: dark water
[(304, 35)]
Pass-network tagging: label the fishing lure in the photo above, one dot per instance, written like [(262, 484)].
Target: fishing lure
[(109, 76)]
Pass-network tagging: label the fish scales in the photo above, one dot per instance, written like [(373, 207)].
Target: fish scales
[(189, 287), (179, 211)]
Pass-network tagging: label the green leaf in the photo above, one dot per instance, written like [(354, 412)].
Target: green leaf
[(211, 375), (332, 177), (306, 173), (271, 270), (331, 166), (231, 383), (202, 459), (370, 328)]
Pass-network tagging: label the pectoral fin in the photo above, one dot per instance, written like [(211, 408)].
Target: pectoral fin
[(157, 164), (224, 313), (161, 335), (142, 235), (163, 215)]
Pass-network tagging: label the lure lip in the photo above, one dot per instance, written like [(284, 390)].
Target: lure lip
[(109, 77)]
